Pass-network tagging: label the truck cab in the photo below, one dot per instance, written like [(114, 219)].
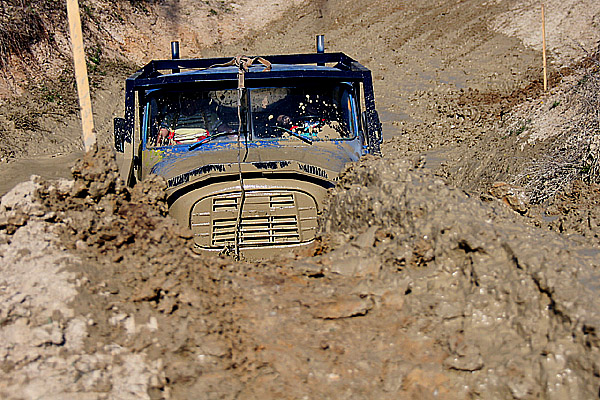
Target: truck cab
[(248, 151)]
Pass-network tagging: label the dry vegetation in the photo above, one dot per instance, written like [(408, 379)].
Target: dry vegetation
[(23, 24), (26, 26), (575, 151)]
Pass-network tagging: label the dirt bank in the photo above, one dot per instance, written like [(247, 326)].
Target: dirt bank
[(446, 74)]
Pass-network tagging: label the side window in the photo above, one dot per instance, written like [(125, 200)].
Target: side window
[(150, 130), (350, 112), (180, 118)]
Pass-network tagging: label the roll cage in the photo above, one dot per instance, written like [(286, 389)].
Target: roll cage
[(287, 70)]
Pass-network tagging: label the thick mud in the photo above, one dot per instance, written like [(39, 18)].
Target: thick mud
[(415, 290), (484, 288)]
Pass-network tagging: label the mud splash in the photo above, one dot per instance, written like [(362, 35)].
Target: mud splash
[(514, 308), (415, 290)]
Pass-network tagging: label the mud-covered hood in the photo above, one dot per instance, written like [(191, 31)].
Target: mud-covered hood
[(322, 160)]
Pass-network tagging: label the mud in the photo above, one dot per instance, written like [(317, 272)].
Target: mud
[(492, 292), (414, 290)]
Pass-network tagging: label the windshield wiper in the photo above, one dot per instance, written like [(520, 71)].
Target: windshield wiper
[(210, 138), (303, 138)]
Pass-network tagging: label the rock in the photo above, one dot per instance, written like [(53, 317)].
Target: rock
[(356, 266), (20, 197), (350, 261), (367, 238), (466, 357), (75, 333), (46, 335), (512, 196), (393, 299), (350, 306)]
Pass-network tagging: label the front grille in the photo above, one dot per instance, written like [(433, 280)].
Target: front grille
[(269, 218)]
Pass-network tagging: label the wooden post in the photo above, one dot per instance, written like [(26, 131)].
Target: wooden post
[(83, 87), (544, 49)]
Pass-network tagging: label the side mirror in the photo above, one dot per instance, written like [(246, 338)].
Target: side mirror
[(119, 131)]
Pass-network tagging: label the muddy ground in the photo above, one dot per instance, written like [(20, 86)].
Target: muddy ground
[(448, 268)]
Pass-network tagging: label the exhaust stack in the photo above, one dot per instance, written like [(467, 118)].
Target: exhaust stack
[(175, 54), (321, 47)]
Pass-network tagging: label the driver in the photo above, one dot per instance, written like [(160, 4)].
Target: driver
[(284, 121), (193, 112)]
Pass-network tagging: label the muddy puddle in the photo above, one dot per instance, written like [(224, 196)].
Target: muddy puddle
[(50, 167)]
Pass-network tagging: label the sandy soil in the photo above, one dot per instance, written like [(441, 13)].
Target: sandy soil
[(434, 276)]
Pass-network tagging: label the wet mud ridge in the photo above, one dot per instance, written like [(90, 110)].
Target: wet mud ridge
[(415, 290)]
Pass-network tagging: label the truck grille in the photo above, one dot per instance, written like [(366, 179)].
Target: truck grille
[(269, 218)]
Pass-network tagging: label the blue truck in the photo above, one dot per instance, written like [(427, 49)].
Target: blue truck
[(248, 146)]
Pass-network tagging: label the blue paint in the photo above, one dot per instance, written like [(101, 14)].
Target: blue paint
[(271, 164), (185, 178)]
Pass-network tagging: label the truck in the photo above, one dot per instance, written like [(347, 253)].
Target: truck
[(248, 147)]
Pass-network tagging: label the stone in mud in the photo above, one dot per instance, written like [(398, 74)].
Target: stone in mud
[(18, 205), (350, 306), (21, 197), (349, 261), (151, 192), (511, 195), (465, 357), (394, 299)]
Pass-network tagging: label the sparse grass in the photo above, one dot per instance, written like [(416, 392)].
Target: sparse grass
[(25, 121), (94, 58), (522, 127), (218, 7), (50, 95), (141, 4), (24, 23), (575, 152), (56, 94), (87, 10), (585, 169)]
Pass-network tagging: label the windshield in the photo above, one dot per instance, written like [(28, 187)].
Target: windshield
[(315, 113), (190, 117), (288, 113)]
